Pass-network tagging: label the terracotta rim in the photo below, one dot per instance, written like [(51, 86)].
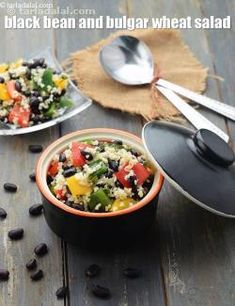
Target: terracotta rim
[(49, 196)]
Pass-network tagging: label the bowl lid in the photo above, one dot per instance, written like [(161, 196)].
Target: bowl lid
[(199, 164)]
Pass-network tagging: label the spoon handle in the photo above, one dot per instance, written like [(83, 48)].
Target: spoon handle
[(199, 121), (221, 108)]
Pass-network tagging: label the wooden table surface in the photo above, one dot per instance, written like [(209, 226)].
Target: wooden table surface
[(191, 258)]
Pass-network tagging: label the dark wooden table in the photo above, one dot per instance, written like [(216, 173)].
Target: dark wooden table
[(191, 258)]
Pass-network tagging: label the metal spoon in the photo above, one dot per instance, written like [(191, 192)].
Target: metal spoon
[(129, 61)]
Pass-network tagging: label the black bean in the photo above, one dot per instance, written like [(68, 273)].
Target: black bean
[(133, 181), (134, 152), (16, 234), (66, 167), (101, 292), (62, 157), (135, 195), (35, 64), (57, 95), (109, 174), (10, 187), (57, 71), (26, 64), (132, 273), (69, 172), (4, 274), (113, 164), (18, 86), (61, 292), (27, 93), (35, 93), (63, 91), (31, 264), (34, 102), (100, 185), (87, 155), (41, 61), (49, 179), (69, 203), (28, 74), (44, 65), (32, 177), (36, 210), (41, 249), (118, 184), (118, 142), (102, 149), (3, 213), (35, 148), (92, 270), (37, 275), (2, 80), (78, 206), (36, 118), (149, 182)]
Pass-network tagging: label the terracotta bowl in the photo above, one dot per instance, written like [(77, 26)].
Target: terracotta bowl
[(89, 228)]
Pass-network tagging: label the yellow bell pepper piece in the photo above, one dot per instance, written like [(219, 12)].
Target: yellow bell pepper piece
[(16, 64), (120, 204), (4, 95), (76, 188), (3, 68), (61, 83)]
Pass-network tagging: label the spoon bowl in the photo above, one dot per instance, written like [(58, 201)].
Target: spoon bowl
[(128, 61)]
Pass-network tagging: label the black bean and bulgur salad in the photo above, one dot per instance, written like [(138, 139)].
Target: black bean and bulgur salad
[(31, 93), (99, 175)]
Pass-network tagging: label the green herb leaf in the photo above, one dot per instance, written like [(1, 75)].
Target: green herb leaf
[(47, 78), (66, 102)]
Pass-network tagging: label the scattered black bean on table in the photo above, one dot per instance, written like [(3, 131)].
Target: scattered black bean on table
[(101, 292), (41, 249), (36, 210), (16, 234), (93, 270), (3, 213), (4, 274), (132, 273), (10, 187), (32, 177), (31, 264), (61, 292), (37, 275), (35, 148)]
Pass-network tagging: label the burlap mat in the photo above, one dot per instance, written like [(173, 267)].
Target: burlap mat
[(175, 62)]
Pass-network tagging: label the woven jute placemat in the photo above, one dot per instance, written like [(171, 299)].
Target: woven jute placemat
[(175, 63)]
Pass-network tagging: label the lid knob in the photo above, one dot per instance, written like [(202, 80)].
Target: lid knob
[(213, 148)]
